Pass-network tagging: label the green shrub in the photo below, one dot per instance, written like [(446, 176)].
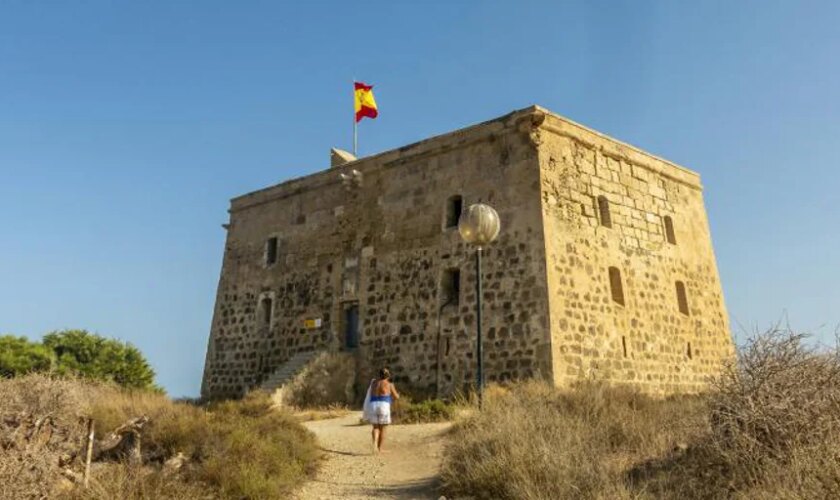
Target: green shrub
[(19, 356), (430, 410), (92, 356), (77, 353)]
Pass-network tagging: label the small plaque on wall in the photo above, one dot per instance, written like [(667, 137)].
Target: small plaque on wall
[(312, 323)]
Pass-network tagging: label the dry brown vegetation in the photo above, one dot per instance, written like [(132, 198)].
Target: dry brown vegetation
[(326, 383), (244, 449), (768, 428)]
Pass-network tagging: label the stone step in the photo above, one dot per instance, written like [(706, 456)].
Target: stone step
[(287, 371)]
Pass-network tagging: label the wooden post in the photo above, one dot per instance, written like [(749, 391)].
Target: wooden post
[(89, 453)]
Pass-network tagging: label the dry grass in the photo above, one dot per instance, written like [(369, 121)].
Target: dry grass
[(536, 442), (324, 413), (119, 481), (326, 381), (244, 449), (28, 470), (769, 428)]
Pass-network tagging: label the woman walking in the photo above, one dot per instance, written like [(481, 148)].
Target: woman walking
[(377, 410)]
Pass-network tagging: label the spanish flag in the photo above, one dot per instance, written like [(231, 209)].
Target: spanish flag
[(364, 103)]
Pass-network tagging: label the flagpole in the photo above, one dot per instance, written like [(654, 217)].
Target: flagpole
[(355, 123)]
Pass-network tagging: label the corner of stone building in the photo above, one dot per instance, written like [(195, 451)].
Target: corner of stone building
[(530, 122)]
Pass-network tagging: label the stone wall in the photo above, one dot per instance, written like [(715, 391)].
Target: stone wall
[(382, 244), (647, 341)]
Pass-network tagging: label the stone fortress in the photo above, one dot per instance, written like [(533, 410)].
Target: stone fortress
[(604, 268)]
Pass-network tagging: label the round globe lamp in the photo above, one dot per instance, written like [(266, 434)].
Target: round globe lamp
[(479, 226)]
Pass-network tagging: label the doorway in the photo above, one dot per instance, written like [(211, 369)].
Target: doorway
[(351, 325)]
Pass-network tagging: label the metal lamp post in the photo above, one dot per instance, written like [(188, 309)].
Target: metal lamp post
[(479, 225)]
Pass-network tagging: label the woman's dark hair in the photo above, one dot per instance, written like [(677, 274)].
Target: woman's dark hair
[(384, 373)]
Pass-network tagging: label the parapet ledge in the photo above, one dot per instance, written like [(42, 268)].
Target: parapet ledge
[(531, 120), (618, 150), (385, 159)]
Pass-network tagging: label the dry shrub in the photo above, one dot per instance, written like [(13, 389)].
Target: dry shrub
[(326, 381), (536, 442), (26, 469), (257, 451), (243, 449), (112, 481), (775, 418), (321, 413), (175, 427), (236, 449), (768, 428)]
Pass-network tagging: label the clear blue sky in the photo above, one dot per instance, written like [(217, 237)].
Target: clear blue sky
[(125, 127)]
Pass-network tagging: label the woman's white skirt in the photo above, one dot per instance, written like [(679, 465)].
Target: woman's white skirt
[(376, 412), (380, 412)]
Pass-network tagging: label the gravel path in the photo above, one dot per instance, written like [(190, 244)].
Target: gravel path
[(406, 470)]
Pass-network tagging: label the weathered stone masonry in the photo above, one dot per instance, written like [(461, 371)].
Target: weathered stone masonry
[(379, 252)]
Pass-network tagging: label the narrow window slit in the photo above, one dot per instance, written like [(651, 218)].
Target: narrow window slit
[(682, 299), (616, 287), (604, 211), (669, 230), (271, 251)]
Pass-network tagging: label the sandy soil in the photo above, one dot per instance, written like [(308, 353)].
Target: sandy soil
[(407, 469)]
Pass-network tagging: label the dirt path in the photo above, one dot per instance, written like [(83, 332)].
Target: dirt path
[(406, 470)]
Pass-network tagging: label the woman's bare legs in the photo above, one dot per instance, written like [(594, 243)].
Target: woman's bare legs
[(376, 434), (381, 437)]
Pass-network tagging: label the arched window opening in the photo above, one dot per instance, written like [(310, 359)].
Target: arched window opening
[(669, 230), (604, 211), (615, 286), (454, 206), (682, 299), (688, 351)]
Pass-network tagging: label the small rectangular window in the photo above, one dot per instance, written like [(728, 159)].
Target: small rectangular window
[(454, 207), (669, 230), (271, 251), (450, 287)]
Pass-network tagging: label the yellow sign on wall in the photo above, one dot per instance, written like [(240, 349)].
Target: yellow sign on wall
[(312, 323)]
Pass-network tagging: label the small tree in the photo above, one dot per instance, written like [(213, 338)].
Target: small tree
[(89, 355), (19, 356)]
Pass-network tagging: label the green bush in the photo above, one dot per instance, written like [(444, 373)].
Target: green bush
[(92, 356), (430, 410), (19, 356)]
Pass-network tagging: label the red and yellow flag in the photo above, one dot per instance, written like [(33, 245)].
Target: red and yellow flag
[(364, 103)]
